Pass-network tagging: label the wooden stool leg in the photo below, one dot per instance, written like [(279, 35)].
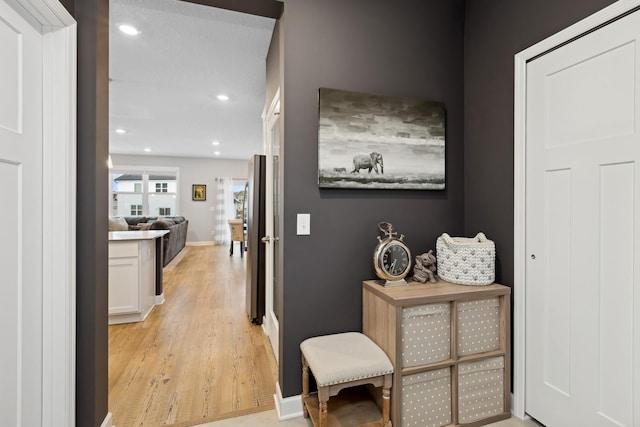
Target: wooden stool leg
[(305, 386), (323, 398), (386, 398)]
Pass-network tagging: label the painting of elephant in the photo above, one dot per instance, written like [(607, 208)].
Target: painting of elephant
[(368, 161), (355, 130)]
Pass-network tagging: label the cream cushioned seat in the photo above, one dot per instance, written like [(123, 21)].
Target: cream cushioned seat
[(345, 357)]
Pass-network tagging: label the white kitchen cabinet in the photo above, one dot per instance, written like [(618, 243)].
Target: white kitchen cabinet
[(132, 275)]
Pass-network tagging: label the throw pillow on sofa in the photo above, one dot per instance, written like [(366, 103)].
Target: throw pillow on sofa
[(118, 224), (159, 225)]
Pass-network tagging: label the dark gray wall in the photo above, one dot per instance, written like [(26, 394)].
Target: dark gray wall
[(91, 229), (495, 30), (410, 48), (266, 8)]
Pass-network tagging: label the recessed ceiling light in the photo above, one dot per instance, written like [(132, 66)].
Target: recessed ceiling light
[(129, 30), (223, 97), (121, 131), (147, 150), (217, 153), (216, 143)]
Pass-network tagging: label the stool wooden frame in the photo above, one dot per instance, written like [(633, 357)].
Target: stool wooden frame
[(316, 406)]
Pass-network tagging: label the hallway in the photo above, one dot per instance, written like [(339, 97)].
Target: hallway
[(197, 357)]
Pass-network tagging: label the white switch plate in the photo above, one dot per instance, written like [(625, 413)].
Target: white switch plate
[(304, 224)]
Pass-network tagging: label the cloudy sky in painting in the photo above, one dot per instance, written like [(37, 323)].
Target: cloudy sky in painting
[(409, 133)]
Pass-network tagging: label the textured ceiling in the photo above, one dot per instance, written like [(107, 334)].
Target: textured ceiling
[(164, 81)]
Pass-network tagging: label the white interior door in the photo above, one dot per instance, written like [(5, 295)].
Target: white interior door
[(583, 230), (21, 263), (273, 208), (37, 173)]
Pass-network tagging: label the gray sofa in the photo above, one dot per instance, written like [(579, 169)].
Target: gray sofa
[(173, 242)]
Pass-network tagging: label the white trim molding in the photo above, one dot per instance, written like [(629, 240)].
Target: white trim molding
[(59, 56), (159, 299), (108, 420), (606, 15), (287, 407)]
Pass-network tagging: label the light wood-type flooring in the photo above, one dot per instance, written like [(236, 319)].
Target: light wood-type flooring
[(196, 357)]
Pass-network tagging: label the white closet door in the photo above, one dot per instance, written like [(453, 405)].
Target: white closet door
[(21, 218), (583, 230)]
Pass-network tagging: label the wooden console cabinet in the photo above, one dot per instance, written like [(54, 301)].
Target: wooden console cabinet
[(449, 346)]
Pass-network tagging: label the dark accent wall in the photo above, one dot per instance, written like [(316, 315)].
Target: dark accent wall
[(495, 30), (407, 48), (91, 239), (266, 8)]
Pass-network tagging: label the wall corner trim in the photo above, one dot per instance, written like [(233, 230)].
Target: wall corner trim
[(287, 407)]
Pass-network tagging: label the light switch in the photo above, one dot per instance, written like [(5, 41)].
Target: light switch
[(304, 224)]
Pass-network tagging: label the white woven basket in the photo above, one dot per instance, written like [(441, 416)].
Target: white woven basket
[(466, 261)]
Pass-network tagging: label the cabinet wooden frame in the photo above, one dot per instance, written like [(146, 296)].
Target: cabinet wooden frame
[(382, 322)]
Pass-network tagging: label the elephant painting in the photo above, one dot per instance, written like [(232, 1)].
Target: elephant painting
[(367, 161)]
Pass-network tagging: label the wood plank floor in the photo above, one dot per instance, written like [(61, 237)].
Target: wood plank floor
[(196, 357)]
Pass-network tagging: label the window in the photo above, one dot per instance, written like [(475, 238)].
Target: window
[(144, 190), (239, 195)]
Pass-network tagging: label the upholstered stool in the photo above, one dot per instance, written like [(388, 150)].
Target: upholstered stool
[(344, 360)]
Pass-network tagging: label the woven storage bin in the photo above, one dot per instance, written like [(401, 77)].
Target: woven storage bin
[(466, 261), (426, 399), (478, 326), (480, 389), (426, 334)]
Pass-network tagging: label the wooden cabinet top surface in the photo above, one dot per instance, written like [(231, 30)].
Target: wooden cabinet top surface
[(422, 293)]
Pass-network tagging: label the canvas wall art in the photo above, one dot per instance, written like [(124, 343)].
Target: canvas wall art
[(380, 142), (199, 192)]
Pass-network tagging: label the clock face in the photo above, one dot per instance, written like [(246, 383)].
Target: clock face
[(395, 260), (392, 260)]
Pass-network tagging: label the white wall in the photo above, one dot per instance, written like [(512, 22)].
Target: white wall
[(193, 171)]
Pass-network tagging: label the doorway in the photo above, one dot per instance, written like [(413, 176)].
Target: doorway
[(220, 147)]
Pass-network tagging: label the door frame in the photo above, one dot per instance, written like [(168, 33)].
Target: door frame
[(270, 324), (59, 54), (577, 30)]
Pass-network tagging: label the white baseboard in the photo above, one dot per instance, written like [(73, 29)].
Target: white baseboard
[(289, 407), (159, 299), (108, 420), (209, 243)]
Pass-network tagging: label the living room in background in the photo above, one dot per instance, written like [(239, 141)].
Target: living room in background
[(149, 191)]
